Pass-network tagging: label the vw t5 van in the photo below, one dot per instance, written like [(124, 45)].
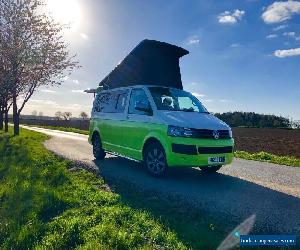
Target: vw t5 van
[(162, 127)]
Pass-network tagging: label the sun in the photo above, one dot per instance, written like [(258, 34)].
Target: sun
[(66, 12)]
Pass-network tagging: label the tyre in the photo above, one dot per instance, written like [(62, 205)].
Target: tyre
[(210, 169), (98, 151), (155, 159)]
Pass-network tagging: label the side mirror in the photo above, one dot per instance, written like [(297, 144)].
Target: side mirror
[(143, 106)]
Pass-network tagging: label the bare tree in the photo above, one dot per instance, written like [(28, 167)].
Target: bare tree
[(1, 116), (34, 113), (295, 124), (5, 85), (67, 115), (41, 114), (35, 52), (1, 111), (6, 110), (58, 115), (83, 115), (5, 104)]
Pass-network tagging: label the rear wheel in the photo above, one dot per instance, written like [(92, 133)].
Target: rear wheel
[(155, 159), (210, 169), (98, 151)]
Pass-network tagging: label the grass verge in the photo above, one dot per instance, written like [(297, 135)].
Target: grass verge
[(267, 157), (74, 130), (48, 203)]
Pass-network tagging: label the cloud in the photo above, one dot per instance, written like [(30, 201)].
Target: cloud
[(78, 91), (198, 95), (287, 53), (297, 38), (75, 81), (280, 27), (271, 36), (74, 106), (224, 100), (84, 36), (49, 107), (208, 100), (292, 33), (48, 91), (281, 11), (231, 17), (193, 40), (235, 45), (39, 102)]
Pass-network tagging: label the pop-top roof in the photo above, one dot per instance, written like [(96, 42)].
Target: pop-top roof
[(149, 63)]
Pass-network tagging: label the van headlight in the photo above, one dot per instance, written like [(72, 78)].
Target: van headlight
[(179, 131)]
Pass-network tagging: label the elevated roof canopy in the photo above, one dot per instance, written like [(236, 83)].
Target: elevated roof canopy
[(151, 63)]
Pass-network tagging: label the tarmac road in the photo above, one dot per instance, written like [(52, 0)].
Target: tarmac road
[(238, 191)]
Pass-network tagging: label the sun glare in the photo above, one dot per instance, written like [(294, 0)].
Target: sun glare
[(66, 12)]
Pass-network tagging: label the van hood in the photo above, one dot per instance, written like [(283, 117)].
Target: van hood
[(192, 120)]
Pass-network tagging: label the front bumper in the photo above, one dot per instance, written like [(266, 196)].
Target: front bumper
[(191, 152)]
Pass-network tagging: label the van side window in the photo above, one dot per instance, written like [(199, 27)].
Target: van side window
[(138, 95), (97, 104), (113, 102), (106, 103)]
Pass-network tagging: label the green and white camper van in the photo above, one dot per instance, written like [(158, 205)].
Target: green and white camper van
[(163, 127)]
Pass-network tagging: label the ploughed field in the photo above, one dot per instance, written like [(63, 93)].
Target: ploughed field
[(285, 142)]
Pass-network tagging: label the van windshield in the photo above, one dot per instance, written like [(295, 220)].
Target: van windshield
[(176, 100)]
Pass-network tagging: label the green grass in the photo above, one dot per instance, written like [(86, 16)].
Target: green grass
[(48, 203), (267, 157), (74, 130)]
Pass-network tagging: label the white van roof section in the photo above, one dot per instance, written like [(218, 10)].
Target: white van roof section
[(149, 63)]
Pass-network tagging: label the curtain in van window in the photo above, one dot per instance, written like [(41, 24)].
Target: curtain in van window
[(121, 102)]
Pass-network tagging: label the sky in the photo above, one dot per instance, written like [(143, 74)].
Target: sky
[(244, 54)]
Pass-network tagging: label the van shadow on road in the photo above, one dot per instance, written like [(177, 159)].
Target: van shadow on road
[(223, 197)]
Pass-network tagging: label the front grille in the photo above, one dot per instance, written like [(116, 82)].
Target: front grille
[(208, 134), (184, 149), (215, 150)]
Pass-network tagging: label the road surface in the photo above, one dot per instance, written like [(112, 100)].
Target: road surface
[(244, 188)]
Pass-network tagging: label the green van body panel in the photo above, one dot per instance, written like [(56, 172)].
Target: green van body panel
[(127, 138)]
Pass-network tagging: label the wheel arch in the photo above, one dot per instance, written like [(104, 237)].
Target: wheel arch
[(95, 132), (149, 141), (152, 139)]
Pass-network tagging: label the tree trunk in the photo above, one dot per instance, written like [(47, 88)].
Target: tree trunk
[(16, 116), (6, 119), (1, 117)]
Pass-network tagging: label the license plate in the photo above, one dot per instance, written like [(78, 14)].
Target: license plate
[(216, 160)]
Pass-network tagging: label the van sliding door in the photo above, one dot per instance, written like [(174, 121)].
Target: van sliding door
[(137, 125)]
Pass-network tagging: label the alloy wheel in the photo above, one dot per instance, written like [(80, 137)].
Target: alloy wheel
[(156, 160)]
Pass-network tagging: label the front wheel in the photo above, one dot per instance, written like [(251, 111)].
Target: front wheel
[(98, 151), (210, 169), (155, 160)]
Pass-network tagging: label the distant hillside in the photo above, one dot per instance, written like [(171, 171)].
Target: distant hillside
[(251, 119)]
